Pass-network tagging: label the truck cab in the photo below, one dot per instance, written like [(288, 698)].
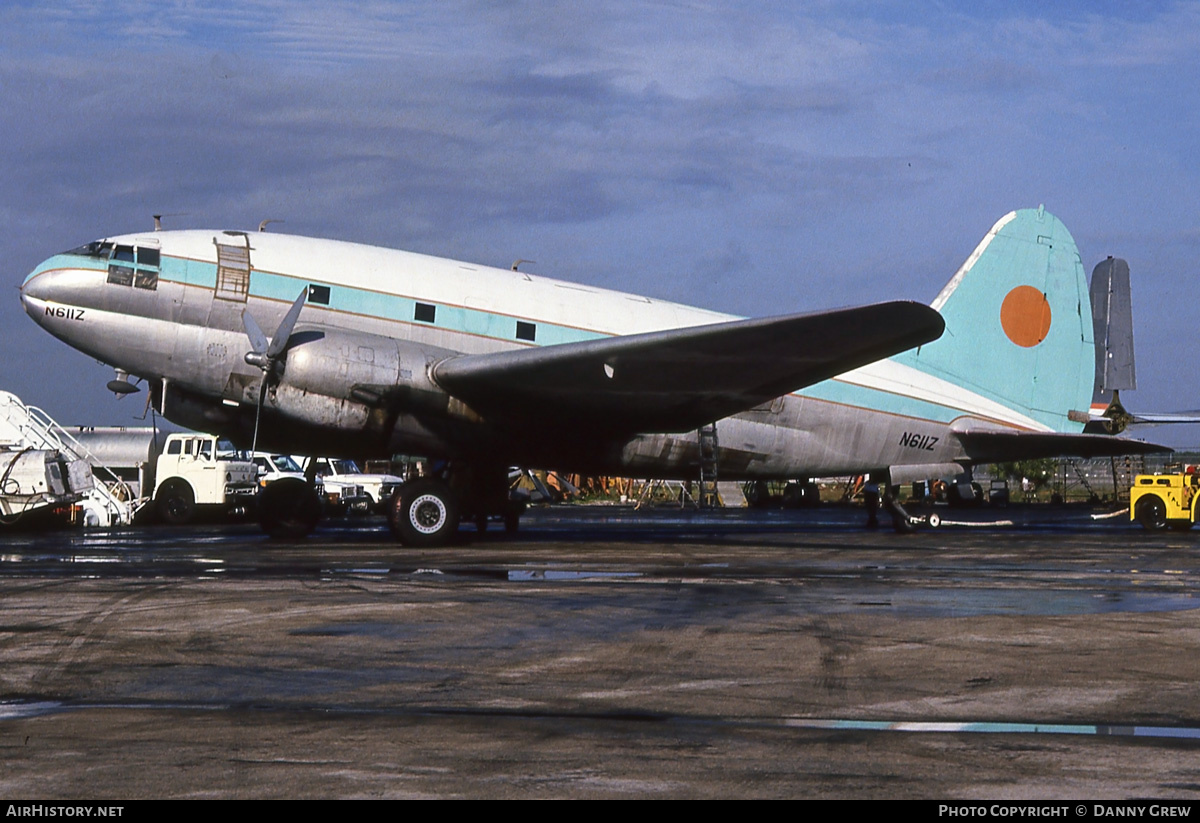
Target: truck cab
[(199, 471)]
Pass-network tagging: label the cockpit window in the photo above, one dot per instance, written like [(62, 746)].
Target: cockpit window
[(97, 248), (135, 266), (120, 275)]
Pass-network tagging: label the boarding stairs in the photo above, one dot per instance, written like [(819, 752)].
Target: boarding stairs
[(1124, 470), (28, 427), (1081, 477)]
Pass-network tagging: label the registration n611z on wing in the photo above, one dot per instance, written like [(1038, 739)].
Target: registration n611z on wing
[(373, 352)]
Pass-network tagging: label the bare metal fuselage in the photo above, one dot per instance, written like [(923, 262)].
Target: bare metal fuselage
[(184, 334)]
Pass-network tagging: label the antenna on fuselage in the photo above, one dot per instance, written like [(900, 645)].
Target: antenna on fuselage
[(120, 385), (158, 218), (519, 261), (263, 225)]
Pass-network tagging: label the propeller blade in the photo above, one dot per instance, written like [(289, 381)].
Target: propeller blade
[(279, 341), (258, 340)]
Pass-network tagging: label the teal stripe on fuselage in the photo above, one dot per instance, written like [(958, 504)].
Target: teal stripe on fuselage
[(500, 327), (273, 286), (67, 261)]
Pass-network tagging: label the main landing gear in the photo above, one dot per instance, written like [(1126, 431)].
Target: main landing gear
[(426, 512), (422, 513)]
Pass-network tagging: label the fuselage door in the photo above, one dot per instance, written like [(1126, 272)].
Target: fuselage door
[(233, 266)]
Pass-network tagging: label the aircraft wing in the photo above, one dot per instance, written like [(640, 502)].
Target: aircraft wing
[(681, 379)]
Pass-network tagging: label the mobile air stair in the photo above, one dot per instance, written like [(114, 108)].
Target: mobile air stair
[(43, 466)]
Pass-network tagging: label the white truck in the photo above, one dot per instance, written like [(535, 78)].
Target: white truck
[(357, 491), (197, 470)]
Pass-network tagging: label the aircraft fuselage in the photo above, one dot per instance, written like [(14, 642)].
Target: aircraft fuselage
[(167, 306)]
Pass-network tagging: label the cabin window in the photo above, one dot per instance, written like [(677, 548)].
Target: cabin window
[(318, 294), (425, 312), (526, 331), (145, 279)]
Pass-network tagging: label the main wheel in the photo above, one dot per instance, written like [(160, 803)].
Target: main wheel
[(1152, 513), (175, 502), (288, 509), (424, 513)]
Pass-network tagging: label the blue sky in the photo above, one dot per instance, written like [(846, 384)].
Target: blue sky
[(756, 158)]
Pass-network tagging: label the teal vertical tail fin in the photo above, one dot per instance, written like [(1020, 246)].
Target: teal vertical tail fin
[(1019, 323)]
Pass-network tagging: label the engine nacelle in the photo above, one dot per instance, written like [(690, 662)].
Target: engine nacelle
[(347, 379)]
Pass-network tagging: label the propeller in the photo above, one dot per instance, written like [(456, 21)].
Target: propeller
[(265, 354)]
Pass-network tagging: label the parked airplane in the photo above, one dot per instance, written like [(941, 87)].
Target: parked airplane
[(387, 351)]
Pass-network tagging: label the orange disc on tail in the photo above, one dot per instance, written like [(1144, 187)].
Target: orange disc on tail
[(1025, 316)]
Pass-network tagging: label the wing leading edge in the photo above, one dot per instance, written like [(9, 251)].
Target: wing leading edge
[(680, 379)]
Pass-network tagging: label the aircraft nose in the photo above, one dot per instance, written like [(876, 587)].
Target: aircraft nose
[(36, 290), (51, 285)]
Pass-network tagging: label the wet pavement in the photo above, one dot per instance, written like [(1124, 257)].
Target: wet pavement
[(606, 653)]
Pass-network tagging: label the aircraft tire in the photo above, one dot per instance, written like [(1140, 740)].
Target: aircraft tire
[(512, 516), (288, 509), (175, 502), (424, 513), (1152, 513)]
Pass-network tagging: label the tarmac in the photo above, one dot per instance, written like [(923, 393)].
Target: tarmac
[(605, 653)]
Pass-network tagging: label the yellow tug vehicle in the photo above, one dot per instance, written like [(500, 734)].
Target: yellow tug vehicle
[(1161, 500)]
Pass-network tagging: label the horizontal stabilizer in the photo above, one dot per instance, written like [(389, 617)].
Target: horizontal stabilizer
[(680, 379), (1114, 419), (1151, 418), (996, 446)]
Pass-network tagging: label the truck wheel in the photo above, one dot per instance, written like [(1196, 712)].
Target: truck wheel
[(1152, 513), (424, 513), (288, 509), (175, 502)]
